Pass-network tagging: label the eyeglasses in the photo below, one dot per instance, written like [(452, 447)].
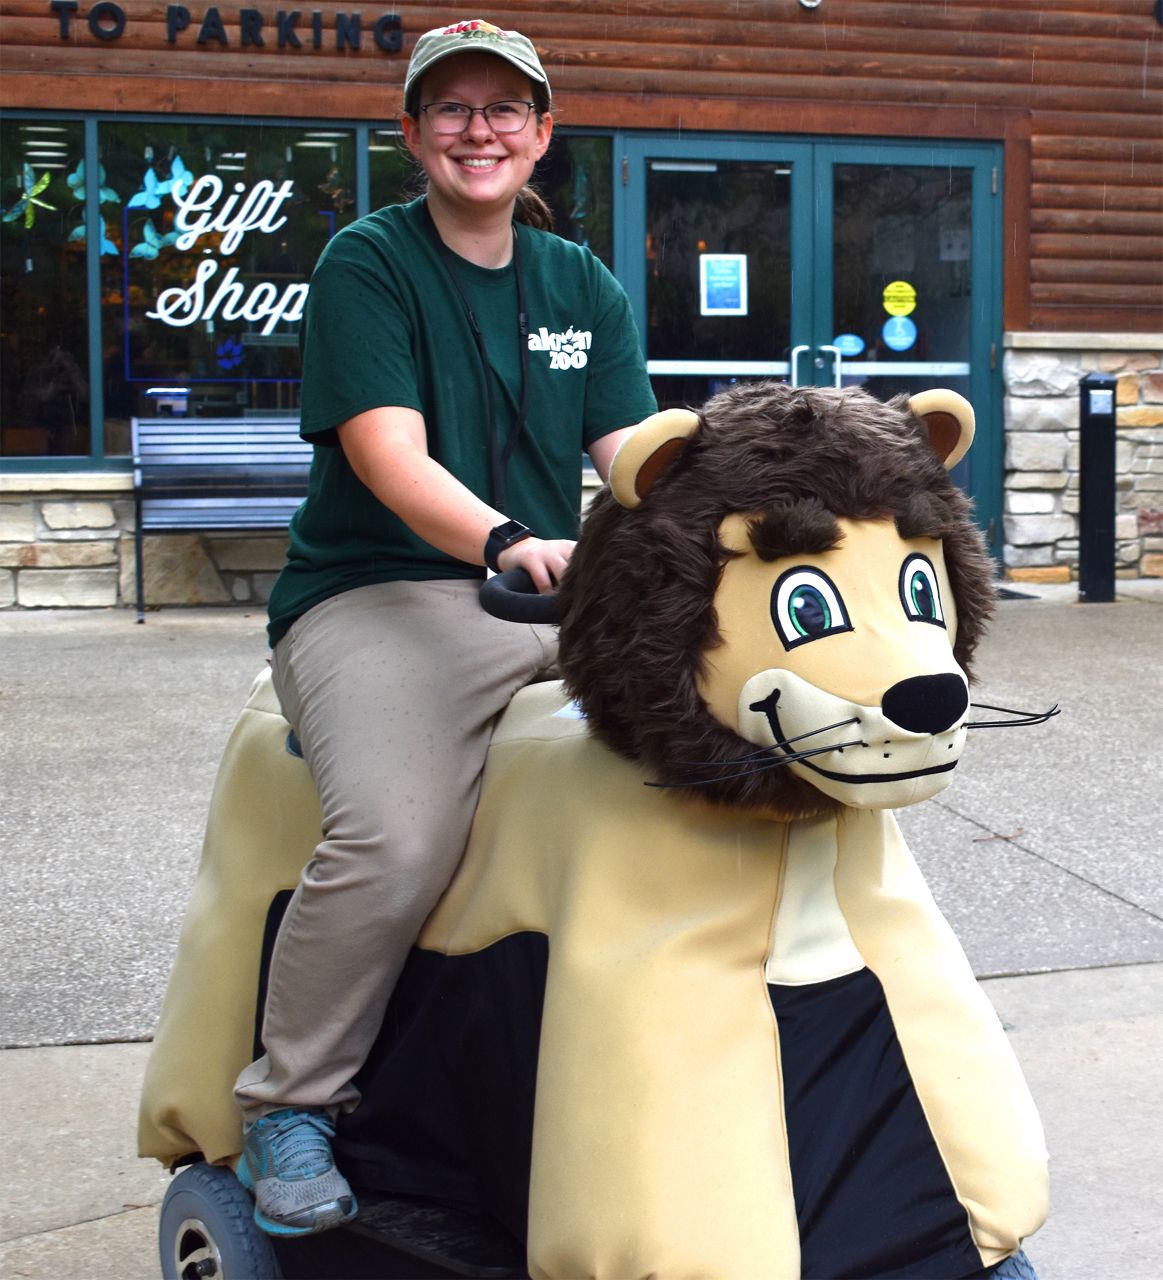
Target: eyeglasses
[(510, 116)]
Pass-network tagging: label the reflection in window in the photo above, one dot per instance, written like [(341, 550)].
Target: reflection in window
[(909, 227), (574, 178), (44, 385), (394, 175), (212, 246)]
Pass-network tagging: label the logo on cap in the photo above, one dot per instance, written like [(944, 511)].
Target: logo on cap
[(474, 28)]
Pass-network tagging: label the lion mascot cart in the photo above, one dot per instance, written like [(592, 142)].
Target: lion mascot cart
[(688, 1008)]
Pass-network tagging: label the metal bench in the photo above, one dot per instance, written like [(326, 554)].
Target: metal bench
[(191, 474)]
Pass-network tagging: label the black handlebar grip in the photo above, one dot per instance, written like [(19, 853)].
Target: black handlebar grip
[(512, 597)]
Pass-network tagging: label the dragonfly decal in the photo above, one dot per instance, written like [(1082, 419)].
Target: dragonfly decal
[(28, 203)]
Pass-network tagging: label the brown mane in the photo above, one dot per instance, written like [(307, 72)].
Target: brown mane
[(637, 599)]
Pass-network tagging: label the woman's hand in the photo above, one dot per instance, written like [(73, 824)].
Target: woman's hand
[(543, 559)]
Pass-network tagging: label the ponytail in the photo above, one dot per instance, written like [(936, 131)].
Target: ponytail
[(532, 210)]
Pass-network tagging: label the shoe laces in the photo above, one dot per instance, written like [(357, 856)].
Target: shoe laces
[(299, 1142)]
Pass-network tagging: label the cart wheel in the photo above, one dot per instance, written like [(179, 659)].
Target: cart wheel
[(207, 1229)]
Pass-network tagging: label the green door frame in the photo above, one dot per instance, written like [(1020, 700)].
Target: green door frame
[(630, 217), (812, 164), (984, 478)]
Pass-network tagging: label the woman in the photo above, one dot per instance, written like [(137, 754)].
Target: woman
[(445, 441)]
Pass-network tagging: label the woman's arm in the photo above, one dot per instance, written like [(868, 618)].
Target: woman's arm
[(388, 450), (602, 450)]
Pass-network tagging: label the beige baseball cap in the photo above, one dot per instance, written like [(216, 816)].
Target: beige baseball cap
[(472, 36)]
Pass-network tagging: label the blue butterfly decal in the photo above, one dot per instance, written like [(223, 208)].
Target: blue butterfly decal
[(152, 242), (77, 236), (153, 187), (150, 195), (76, 181), (181, 179)]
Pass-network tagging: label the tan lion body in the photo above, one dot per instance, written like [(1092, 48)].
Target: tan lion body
[(683, 922)]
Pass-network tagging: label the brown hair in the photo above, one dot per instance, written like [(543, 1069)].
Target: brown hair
[(637, 599), (532, 209)]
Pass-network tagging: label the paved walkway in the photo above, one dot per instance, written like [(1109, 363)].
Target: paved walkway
[(1044, 854)]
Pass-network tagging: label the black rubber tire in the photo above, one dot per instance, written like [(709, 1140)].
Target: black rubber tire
[(207, 1229)]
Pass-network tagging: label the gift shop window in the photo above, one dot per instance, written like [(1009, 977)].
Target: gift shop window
[(45, 402), (207, 251), (154, 267)]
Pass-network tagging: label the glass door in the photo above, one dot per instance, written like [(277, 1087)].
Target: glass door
[(714, 290), (900, 306), (911, 298), (873, 264)]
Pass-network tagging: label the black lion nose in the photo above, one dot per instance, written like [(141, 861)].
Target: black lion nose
[(926, 704)]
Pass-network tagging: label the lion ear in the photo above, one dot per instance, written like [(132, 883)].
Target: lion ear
[(949, 418), (644, 454)]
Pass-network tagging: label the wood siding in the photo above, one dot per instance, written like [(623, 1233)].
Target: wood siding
[(1074, 88)]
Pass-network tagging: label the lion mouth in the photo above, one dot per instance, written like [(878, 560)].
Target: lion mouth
[(768, 707)]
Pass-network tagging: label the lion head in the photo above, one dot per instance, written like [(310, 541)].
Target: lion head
[(776, 602)]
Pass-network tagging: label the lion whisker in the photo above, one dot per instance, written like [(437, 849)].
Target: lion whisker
[(763, 752), (760, 763), (1021, 717)]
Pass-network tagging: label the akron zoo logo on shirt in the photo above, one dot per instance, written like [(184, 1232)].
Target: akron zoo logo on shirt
[(566, 350)]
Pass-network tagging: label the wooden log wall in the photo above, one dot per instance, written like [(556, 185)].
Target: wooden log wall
[(1074, 88)]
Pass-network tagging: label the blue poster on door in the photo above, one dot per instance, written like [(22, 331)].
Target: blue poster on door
[(723, 284)]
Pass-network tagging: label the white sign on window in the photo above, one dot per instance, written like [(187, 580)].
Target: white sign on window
[(199, 213), (723, 284)]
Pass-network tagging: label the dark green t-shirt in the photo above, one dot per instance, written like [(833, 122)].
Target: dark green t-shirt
[(385, 325)]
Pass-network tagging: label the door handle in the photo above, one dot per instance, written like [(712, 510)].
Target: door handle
[(795, 355), (836, 364)]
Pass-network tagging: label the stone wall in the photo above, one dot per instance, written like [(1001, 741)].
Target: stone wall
[(66, 538), (1042, 480), (66, 541)]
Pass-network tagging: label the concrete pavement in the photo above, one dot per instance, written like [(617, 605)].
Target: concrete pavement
[(1043, 853)]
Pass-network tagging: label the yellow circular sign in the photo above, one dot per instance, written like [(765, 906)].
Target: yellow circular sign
[(900, 298)]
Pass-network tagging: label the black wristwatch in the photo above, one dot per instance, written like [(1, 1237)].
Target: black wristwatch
[(504, 535)]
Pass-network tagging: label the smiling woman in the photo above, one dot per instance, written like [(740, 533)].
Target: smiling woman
[(478, 133), (457, 360)]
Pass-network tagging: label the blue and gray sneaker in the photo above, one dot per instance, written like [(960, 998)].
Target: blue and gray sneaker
[(287, 1163)]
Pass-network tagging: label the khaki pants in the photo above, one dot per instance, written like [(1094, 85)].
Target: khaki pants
[(393, 691)]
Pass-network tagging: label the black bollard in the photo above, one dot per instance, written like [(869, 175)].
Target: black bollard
[(1096, 532)]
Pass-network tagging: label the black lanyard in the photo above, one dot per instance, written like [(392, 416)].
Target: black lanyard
[(498, 456)]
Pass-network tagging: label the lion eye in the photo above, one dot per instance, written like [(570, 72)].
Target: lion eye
[(920, 594), (805, 605)]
